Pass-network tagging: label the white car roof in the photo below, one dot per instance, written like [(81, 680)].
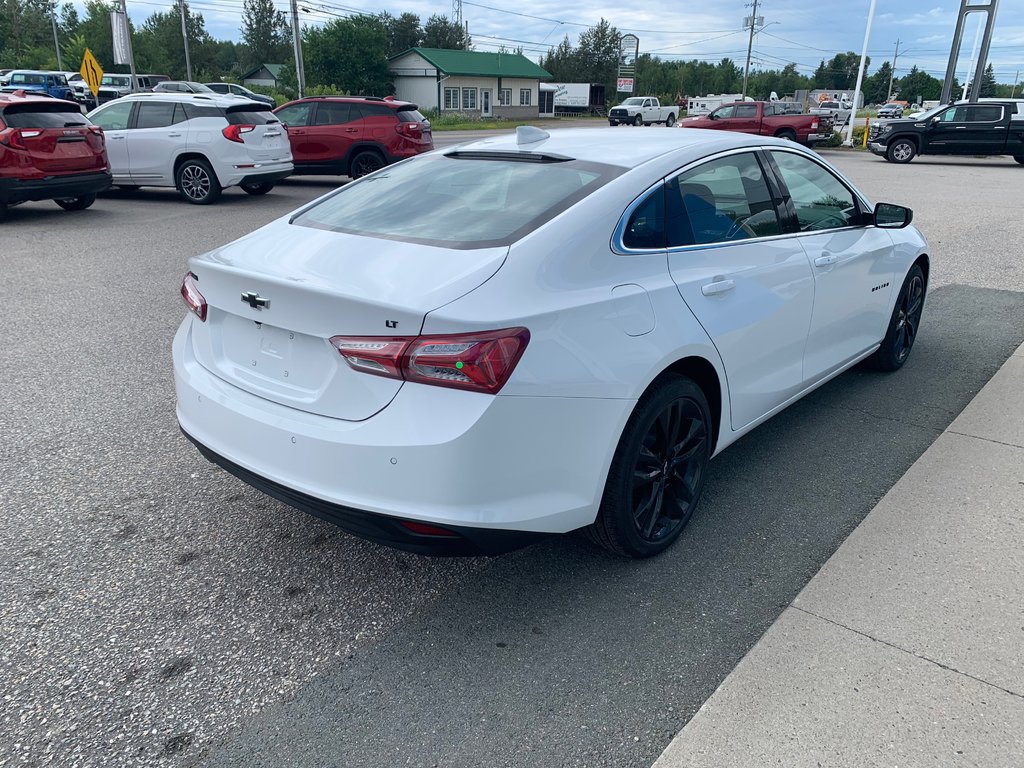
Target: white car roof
[(627, 147), (209, 99)]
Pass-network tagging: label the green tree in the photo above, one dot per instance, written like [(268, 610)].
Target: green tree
[(919, 85), (403, 32), (442, 32), (876, 87), (265, 32), (988, 83), (348, 54)]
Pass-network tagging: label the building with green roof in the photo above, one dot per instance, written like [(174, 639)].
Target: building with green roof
[(473, 82)]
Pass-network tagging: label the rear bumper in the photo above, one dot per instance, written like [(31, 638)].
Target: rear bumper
[(53, 187), (266, 178), (272, 170), (501, 466)]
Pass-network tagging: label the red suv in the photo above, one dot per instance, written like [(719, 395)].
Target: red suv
[(49, 151), (353, 135)]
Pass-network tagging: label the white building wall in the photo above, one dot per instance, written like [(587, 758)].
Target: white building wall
[(418, 90)]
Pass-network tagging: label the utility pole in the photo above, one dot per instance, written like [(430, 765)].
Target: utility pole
[(56, 45), (1015, 79), (300, 70), (750, 48), (892, 71), (184, 37)]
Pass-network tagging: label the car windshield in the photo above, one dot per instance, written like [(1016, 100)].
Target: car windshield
[(28, 78), (635, 101), (115, 80), (932, 112), (459, 200)]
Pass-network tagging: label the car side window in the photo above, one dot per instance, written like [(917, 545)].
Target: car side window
[(720, 201), (115, 117), (982, 113), (820, 199), (646, 225), (746, 110), (724, 112), (296, 115), (158, 114), (953, 115), (333, 113)]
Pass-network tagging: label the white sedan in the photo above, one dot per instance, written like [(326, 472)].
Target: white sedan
[(536, 333)]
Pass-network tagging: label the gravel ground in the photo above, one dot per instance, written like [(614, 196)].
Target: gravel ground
[(150, 604)]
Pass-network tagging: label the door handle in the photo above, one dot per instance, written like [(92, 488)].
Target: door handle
[(116, 138), (173, 135), (826, 261), (717, 287), (960, 127)]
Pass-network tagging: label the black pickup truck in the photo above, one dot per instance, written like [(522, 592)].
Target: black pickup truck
[(990, 127)]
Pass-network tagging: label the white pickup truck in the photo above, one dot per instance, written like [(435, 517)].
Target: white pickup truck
[(642, 110)]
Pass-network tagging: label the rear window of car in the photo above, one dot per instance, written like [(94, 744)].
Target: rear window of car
[(411, 116), (55, 115), (28, 79), (458, 201), (192, 111), (250, 114)]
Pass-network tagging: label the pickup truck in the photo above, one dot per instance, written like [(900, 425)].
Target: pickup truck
[(52, 84), (839, 111), (765, 118), (990, 127), (642, 110)]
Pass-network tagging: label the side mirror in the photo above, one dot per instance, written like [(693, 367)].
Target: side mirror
[(935, 120), (713, 116), (892, 216)]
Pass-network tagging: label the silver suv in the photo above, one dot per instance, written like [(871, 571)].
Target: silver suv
[(198, 144)]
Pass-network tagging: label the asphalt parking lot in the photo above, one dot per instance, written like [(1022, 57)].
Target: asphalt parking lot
[(156, 611)]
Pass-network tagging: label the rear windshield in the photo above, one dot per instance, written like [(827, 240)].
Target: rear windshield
[(115, 80), (55, 115), (411, 116), (251, 114), (458, 202)]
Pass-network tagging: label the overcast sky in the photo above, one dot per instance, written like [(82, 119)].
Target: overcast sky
[(800, 31)]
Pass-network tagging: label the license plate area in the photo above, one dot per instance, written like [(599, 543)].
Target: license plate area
[(272, 359)]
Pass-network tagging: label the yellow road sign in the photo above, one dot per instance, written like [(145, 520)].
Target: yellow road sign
[(92, 72)]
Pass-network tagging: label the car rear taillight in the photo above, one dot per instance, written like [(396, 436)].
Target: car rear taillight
[(234, 132), (193, 298), (814, 124), (96, 134), (15, 137), (480, 362), (411, 130), (423, 529)]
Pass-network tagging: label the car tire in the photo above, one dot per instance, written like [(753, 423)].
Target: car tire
[(365, 162), (79, 203), (196, 182), (1019, 159), (904, 323), (670, 121), (787, 135), (613, 122), (900, 151), (638, 120), (645, 505), (258, 188)]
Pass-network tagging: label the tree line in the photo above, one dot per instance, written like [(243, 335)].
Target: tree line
[(351, 54)]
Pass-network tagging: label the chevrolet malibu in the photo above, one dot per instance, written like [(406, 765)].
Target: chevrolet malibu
[(538, 333)]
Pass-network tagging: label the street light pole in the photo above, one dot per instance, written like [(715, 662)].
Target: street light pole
[(860, 75), (184, 37)]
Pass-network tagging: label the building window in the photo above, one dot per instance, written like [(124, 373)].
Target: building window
[(525, 97), (451, 98), (505, 97), (468, 98)]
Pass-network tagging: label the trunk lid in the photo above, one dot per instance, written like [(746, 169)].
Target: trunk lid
[(267, 140), (57, 137), (321, 284)]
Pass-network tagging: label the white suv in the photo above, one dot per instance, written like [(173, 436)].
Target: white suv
[(197, 143)]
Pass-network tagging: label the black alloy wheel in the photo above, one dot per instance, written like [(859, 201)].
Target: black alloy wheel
[(365, 162), (904, 323), (658, 471), (900, 151)]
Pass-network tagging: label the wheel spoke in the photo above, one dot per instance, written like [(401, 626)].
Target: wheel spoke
[(691, 444), (655, 512)]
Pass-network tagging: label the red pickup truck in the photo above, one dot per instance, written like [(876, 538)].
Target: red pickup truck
[(780, 118)]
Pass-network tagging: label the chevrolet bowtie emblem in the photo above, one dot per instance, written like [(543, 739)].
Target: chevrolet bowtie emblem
[(255, 301)]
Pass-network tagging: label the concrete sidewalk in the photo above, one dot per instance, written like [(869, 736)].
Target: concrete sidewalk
[(907, 648)]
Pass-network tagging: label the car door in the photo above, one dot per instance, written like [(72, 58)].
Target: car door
[(853, 263), (154, 140), (721, 119), (751, 290), (745, 119), (114, 119), (334, 130), (983, 132), (296, 118), (941, 136)]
